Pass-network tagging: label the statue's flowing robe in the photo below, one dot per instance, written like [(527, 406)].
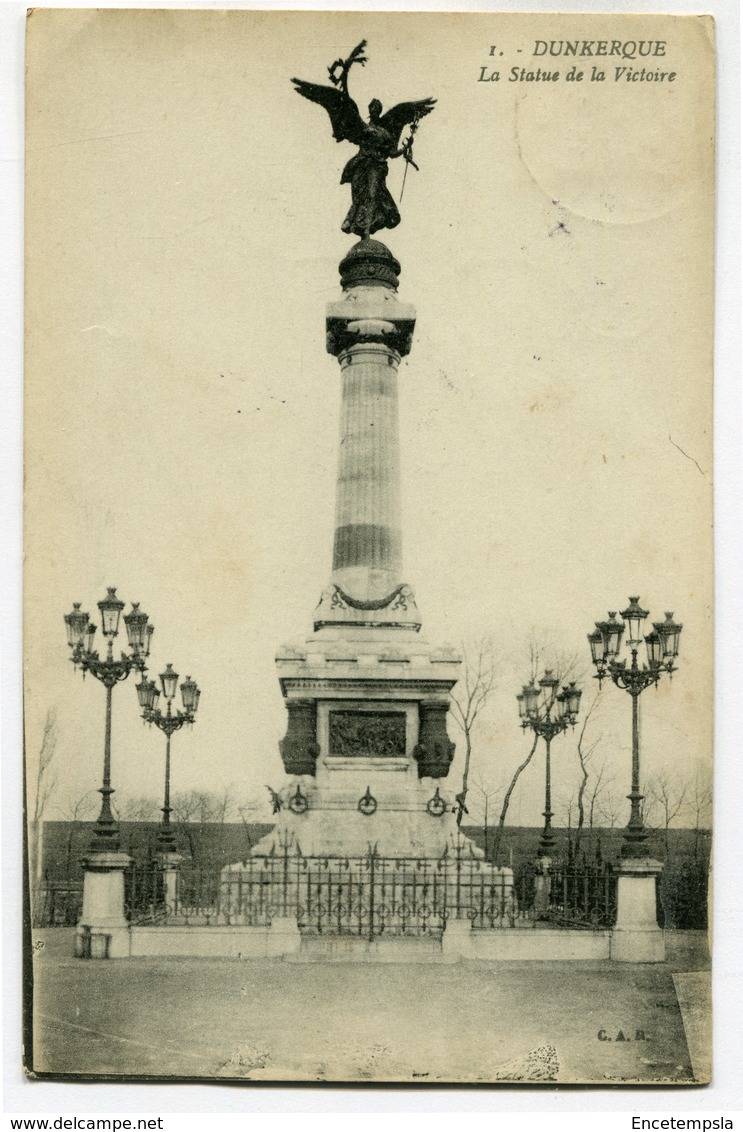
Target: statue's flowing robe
[(372, 206)]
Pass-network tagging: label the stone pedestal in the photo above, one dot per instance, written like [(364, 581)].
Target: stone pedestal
[(636, 937), (103, 931), (542, 887), (456, 941), (366, 750), (284, 938), (170, 863)]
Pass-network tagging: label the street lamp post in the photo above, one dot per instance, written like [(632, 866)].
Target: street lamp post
[(662, 648), (547, 713), (168, 722), (110, 671)]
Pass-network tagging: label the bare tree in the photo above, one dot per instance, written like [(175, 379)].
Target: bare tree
[(609, 804), (700, 803), (193, 809), (668, 793), (507, 797), (470, 697), (253, 810), (76, 812), (139, 808), (45, 784), (601, 783), (569, 808), (585, 753), (485, 794), (80, 808), (541, 653), (203, 805)]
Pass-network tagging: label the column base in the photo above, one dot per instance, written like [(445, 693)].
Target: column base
[(456, 940), (642, 945), (636, 937), (284, 937), (103, 930)]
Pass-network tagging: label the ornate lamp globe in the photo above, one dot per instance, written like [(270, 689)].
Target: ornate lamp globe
[(596, 642), (110, 608), (169, 682), (549, 683), (669, 632), (633, 617), (572, 698), (189, 695), (147, 693), (611, 633), (654, 645), (153, 694), (531, 698), (76, 623), (136, 629)]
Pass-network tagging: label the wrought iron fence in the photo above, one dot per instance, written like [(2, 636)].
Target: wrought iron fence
[(56, 905), (144, 892), (582, 892), (366, 896)]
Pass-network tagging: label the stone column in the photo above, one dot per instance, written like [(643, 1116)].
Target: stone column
[(103, 931), (171, 863), (542, 887), (369, 331), (637, 937), (367, 550)]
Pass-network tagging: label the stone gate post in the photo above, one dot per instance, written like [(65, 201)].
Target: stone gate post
[(103, 931), (170, 864), (637, 938), (542, 886)]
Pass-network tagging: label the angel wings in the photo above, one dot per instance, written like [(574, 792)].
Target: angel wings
[(372, 206)]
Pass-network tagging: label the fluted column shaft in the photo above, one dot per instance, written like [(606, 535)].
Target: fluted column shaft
[(367, 551)]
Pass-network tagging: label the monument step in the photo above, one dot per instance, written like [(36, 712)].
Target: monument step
[(356, 949)]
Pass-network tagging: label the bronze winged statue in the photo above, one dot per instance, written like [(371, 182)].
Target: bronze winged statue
[(372, 206)]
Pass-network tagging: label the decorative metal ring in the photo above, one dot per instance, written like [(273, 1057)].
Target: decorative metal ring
[(436, 806), (367, 804), (299, 802)]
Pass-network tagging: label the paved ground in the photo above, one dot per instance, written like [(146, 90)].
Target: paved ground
[(270, 1020)]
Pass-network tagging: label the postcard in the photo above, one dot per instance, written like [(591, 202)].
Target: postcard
[(368, 552)]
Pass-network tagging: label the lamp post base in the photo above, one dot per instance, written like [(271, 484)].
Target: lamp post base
[(635, 843), (166, 840), (106, 837), (103, 931), (637, 937)]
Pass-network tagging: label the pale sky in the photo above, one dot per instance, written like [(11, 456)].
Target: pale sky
[(183, 239)]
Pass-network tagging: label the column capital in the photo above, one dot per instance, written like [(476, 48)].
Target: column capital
[(369, 315)]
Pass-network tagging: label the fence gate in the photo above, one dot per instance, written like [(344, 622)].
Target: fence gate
[(371, 896)]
